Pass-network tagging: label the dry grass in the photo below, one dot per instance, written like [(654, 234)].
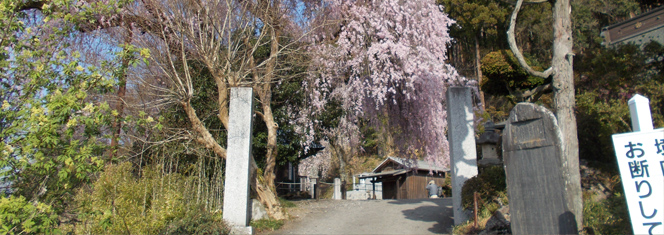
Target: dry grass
[(469, 226)]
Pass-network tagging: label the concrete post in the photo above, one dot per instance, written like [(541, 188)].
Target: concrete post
[(302, 184), (639, 109), (337, 189), (236, 187), (312, 189), (354, 188), (461, 136)]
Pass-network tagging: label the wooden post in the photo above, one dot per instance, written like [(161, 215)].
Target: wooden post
[(398, 189), (317, 185), (373, 184), (475, 211), (343, 190)]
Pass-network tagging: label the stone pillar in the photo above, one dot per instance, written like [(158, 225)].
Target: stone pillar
[(337, 189), (302, 184), (236, 187), (461, 136), (354, 184), (534, 164), (312, 190)]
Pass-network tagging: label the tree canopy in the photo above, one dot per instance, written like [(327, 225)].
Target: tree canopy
[(385, 61)]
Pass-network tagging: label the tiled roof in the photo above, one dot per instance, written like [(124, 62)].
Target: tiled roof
[(411, 164)]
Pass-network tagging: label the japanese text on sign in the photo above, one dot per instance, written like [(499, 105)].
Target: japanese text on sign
[(640, 158)]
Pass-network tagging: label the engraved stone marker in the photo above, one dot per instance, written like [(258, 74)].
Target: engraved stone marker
[(236, 187), (533, 164), (461, 136)]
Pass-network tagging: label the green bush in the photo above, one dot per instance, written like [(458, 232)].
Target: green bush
[(489, 184), (120, 203), (610, 215), (503, 75), (18, 216), (198, 221), (447, 186)]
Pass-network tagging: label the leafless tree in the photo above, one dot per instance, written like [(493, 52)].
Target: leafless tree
[(225, 36)]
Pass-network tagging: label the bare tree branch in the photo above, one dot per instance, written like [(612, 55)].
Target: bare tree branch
[(515, 49), (534, 94)]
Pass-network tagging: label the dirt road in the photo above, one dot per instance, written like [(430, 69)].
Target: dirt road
[(411, 216)]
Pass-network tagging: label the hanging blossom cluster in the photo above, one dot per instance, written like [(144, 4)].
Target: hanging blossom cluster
[(321, 163), (386, 59)]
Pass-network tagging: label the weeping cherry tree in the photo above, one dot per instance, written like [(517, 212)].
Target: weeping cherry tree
[(383, 61)]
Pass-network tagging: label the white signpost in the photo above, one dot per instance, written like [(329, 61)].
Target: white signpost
[(640, 157)]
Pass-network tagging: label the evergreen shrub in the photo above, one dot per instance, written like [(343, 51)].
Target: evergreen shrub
[(490, 184)]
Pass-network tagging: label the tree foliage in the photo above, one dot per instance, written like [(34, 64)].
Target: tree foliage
[(504, 76), (590, 16), (385, 61), (478, 16), (20, 216), (53, 117), (609, 79)]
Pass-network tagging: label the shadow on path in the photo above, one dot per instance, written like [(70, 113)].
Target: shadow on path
[(415, 216), (438, 211)]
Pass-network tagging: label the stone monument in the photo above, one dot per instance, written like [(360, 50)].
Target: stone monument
[(461, 136), (236, 187), (532, 153)]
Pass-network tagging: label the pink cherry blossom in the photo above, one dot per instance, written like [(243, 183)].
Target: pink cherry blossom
[(384, 61)]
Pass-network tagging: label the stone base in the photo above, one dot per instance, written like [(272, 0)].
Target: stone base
[(240, 230), (357, 195), (258, 211)]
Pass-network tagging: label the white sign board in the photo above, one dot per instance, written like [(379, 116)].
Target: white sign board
[(641, 161)]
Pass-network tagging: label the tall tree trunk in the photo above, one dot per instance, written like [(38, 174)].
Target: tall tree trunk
[(343, 172), (564, 103), (478, 67), (265, 96), (116, 125), (272, 150), (266, 194), (388, 147), (336, 149)]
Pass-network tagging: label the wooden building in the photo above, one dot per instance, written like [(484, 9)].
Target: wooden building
[(639, 30), (406, 179)]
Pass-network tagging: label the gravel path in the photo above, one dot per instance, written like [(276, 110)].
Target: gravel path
[(410, 216)]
